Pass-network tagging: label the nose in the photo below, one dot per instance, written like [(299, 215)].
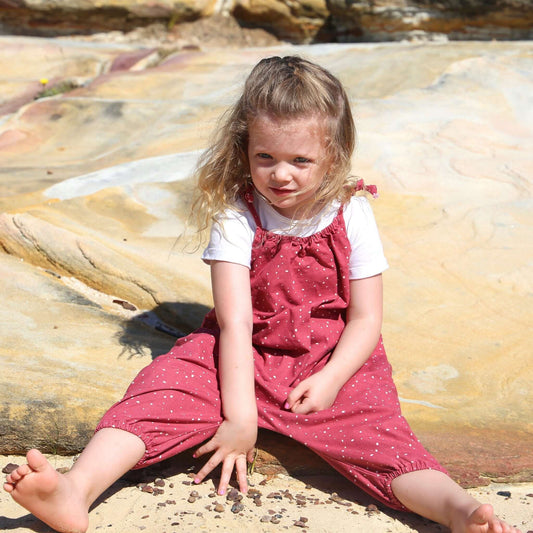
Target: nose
[(281, 173)]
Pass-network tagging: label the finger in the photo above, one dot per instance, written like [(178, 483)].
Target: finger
[(295, 395), (241, 469), (225, 476), (213, 462), (206, 448), (304, 407), (250, 456)]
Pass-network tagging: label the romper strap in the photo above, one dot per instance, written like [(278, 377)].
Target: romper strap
[(248, 197)]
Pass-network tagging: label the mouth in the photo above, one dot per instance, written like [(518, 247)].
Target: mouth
[(281, 192)]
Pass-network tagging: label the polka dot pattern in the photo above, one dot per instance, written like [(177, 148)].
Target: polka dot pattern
[(300, 292)]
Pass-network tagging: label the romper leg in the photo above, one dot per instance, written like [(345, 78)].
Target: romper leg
[(174, 403), (363, 435)]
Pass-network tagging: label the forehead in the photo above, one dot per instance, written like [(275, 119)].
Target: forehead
[(309, 129)]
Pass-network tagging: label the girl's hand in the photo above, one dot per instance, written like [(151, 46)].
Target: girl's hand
[(233, 445), (313, 394)]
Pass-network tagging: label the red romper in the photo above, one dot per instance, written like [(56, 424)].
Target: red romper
[(300, 292)]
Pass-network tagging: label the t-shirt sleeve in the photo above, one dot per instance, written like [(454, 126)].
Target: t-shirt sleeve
[(231, 239), (367, 258)]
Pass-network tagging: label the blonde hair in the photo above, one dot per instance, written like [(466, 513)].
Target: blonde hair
[(285, 88)]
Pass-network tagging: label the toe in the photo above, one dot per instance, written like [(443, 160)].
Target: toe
[(36, 460)]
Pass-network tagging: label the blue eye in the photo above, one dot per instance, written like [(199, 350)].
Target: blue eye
[(302, 160), (262, 155)]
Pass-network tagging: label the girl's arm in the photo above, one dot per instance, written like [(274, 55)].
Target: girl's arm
[(235, 439), (357, 342)]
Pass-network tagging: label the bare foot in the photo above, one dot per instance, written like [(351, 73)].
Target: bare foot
[(48, 495), (483, 520)]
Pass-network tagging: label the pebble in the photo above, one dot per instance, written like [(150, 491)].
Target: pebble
[(193, 496), (372, 509), (504, 493), (219, 508), (9, 468), (159, 483), (233, 496), (147, 488), (237, 507), (265, 518)]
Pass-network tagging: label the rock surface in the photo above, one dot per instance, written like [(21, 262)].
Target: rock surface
[(298, 22), (95, 186)]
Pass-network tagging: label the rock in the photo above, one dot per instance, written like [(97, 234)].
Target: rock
[(95, 187), (9, 468), (299, 22)]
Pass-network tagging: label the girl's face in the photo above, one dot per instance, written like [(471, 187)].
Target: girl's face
[(288, 159)]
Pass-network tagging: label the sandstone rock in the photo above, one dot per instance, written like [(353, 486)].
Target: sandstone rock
[(293, 21), (368, 20), (303, 22), (95, 188)]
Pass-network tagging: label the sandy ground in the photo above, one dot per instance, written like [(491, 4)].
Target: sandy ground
[(164, 500)]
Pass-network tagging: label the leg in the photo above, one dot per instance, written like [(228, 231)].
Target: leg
[(62, 500), (436, 496)]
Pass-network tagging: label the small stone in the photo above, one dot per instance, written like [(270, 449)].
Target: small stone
[(159, 483), (372, 509), (158, 491), (171, 502), (274, 495), (265, 518), (275, 520), (504, 493), (9, 468), (63, 469), (237, 507), (125, 305), (304, 519), (147, 488), (299, 523), (233, 496), (219, 508)]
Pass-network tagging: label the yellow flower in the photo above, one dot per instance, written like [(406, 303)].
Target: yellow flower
[(43, 81)]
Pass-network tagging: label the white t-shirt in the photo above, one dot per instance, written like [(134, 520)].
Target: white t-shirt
[(233, 233)]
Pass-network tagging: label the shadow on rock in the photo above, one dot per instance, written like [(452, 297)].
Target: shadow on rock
[(155, 332)]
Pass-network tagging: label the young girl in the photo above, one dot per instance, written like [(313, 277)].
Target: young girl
[(293, 343)]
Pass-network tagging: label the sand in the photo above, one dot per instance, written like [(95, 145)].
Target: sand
[(164, 500)]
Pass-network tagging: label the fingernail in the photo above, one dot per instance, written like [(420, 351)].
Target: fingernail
[(196, 480), (286, 405), (221, 492)]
